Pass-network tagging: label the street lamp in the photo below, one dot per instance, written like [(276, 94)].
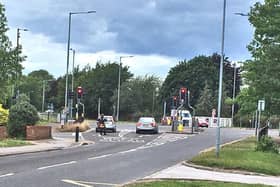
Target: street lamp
[(119, 86), (68, 48), (18, 36), (72, 86), (221, 81), (43, 95), (233, 92)]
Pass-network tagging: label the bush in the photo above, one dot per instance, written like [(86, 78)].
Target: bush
[(4, 114), (21, 114), (266, 144)]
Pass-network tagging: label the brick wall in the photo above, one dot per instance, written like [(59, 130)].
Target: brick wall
[(38, 132), (3, 132)]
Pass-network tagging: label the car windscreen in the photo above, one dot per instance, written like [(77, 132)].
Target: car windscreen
[(186, 115), (146, 120)]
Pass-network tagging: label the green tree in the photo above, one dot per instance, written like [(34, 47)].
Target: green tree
[(139, 97), (262, 72), (194, 73), (10, 60), (205, 102)]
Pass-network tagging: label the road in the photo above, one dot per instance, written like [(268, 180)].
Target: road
[(114, 159)]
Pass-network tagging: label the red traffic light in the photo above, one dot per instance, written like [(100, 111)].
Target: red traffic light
[(80, 90), (174, 98), (183, 90)]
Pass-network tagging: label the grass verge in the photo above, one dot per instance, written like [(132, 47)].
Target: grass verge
[(241, 156), (13, 143), (182, 183)]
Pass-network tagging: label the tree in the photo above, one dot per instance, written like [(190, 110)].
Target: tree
[(262, 72), (10, 60), (193, 75), (138, 97), (205, 102)]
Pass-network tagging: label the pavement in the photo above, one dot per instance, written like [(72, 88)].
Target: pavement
[(179, 171)]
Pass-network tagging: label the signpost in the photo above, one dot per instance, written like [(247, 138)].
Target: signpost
[(261, 106)]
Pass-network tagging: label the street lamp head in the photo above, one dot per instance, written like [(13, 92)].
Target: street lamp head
[(20, 29), (85, 12), (241, 14), (92, 11)]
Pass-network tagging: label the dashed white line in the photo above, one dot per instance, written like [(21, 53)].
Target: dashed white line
[(6, 175), (57, 165), (98, 157)]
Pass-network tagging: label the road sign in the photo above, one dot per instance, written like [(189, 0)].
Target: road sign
[(261, 105)]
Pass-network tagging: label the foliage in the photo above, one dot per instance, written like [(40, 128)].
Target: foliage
[(261, 73), (266, 144), (138, 97), (194, 74), (241, 156), (10, 60), (21, 114), (100, 82), (32, 85), (4, 114), (205, 102)]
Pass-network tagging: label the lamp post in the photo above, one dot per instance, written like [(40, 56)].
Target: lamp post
[(233, 92), (43, 95), (68, 48), (119, 86), (72, 85), (18, 36), (221, 82)]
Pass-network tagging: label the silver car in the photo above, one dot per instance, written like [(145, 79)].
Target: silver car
[(110, 124), (147, 124)]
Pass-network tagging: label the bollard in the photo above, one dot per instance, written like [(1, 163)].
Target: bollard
[(77, 134)]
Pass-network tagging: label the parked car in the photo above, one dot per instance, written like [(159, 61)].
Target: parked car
[(146, 124), (110, 124), (203, 122)]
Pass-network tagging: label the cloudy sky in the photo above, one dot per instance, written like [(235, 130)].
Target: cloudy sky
[(158, 33)]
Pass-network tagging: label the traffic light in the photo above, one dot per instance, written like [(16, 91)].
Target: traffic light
[(183, 93), (175, 101), (79, 92)]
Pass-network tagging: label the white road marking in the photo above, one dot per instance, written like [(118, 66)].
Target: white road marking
[(102, 156), (57, 165), (86, 184), (6, 175), (75, 182), (128, 151)]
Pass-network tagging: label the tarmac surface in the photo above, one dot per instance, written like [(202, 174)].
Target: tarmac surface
[(178, 171)]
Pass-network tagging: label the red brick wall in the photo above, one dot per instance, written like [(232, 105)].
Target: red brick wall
[(3, 132), (38, 132)]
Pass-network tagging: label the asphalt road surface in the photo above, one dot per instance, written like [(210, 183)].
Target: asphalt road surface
[(114, 159)]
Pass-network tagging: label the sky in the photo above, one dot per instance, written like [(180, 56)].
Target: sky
[(157, 33)]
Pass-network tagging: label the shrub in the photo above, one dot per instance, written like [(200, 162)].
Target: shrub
[(21, 114), (266, 144), (4, 114)]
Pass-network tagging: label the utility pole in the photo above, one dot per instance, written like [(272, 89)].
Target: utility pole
[(43, 100), (233, 92), (221, 81)]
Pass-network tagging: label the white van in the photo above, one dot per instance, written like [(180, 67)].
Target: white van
[(186, 117)]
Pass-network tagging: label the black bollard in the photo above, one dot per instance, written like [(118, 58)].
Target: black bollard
[(77, 134)]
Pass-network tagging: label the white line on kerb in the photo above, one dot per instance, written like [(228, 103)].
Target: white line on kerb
[(103, 156), (56, 165), (6, 175)]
